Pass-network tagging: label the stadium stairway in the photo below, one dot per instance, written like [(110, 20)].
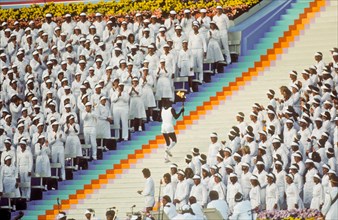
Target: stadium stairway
[(115, 180)]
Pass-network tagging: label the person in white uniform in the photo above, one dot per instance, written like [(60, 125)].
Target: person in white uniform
[(233, 188), (242, 209), (104, 119), (137, 111), (219, 186), (317, 193), (168, 114), (199, 191), (219, 204), (56, 139), (222, 22), (182, 192), (89, 118), (168, 208), (272, 194), (120, 100), (73, 145), (149, 190), (329, 209), (185, 63), (9, 182), (42, 152), (198, 47), (25, 167)]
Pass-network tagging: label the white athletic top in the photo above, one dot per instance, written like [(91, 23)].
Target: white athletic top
[(167, 116)]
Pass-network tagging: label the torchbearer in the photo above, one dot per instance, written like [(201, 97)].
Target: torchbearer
[(167, 114)]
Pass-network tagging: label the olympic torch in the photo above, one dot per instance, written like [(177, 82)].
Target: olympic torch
[(182, 95)]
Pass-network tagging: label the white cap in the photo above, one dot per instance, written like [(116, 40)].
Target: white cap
[(203, 10), (48, 15), (186, 11), (219, 7), (196, 177), (172, 12), (213, 134), (88, 104)]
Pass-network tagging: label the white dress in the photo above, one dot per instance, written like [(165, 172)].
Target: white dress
[(214, 52), (73, 144), (272, 196), (136, 107), (185, 63), (163, 88), (8, 175), (167, 121), (42, 163), (317, 196), (103, 126), (147, 92)]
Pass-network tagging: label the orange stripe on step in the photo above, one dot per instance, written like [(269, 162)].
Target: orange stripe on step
[(271, 55)]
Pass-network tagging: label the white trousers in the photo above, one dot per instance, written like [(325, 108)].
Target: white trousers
[(24, 178), (58, 156), (198, 62), (120, 115), (225, 45), (89, 134)]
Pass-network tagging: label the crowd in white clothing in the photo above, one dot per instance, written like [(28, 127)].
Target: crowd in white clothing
[(91, 77), (283, 158)]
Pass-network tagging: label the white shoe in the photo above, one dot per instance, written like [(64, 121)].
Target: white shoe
[(76, 167), (166, 160), (191, 90), (140, 128), (169, 153), (151, 118)]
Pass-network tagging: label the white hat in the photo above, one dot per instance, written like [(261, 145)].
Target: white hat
[(98, 14), (196, 177), (318, 54), (237, 155), (253, 177), (279, 162), (245, 164), (203, 10), (219, 155), (8, 157), (308, 161), (48, 15), (181, 172), (22, 142), (293, 72), (260, 163), (178, 27), (290, 175), (103, 98), (205, 167), (317, 176), (88, 104), (219, 7), (218, 175), (293, 167), (173, 165), (186, 11), (232, 175), (55, 123), (172, 12), (213, 134)]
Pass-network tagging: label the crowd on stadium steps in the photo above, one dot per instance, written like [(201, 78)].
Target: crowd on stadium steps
[(283, 157), (60, 81)]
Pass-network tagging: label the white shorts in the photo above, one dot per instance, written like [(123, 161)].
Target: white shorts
[(167, 128)]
